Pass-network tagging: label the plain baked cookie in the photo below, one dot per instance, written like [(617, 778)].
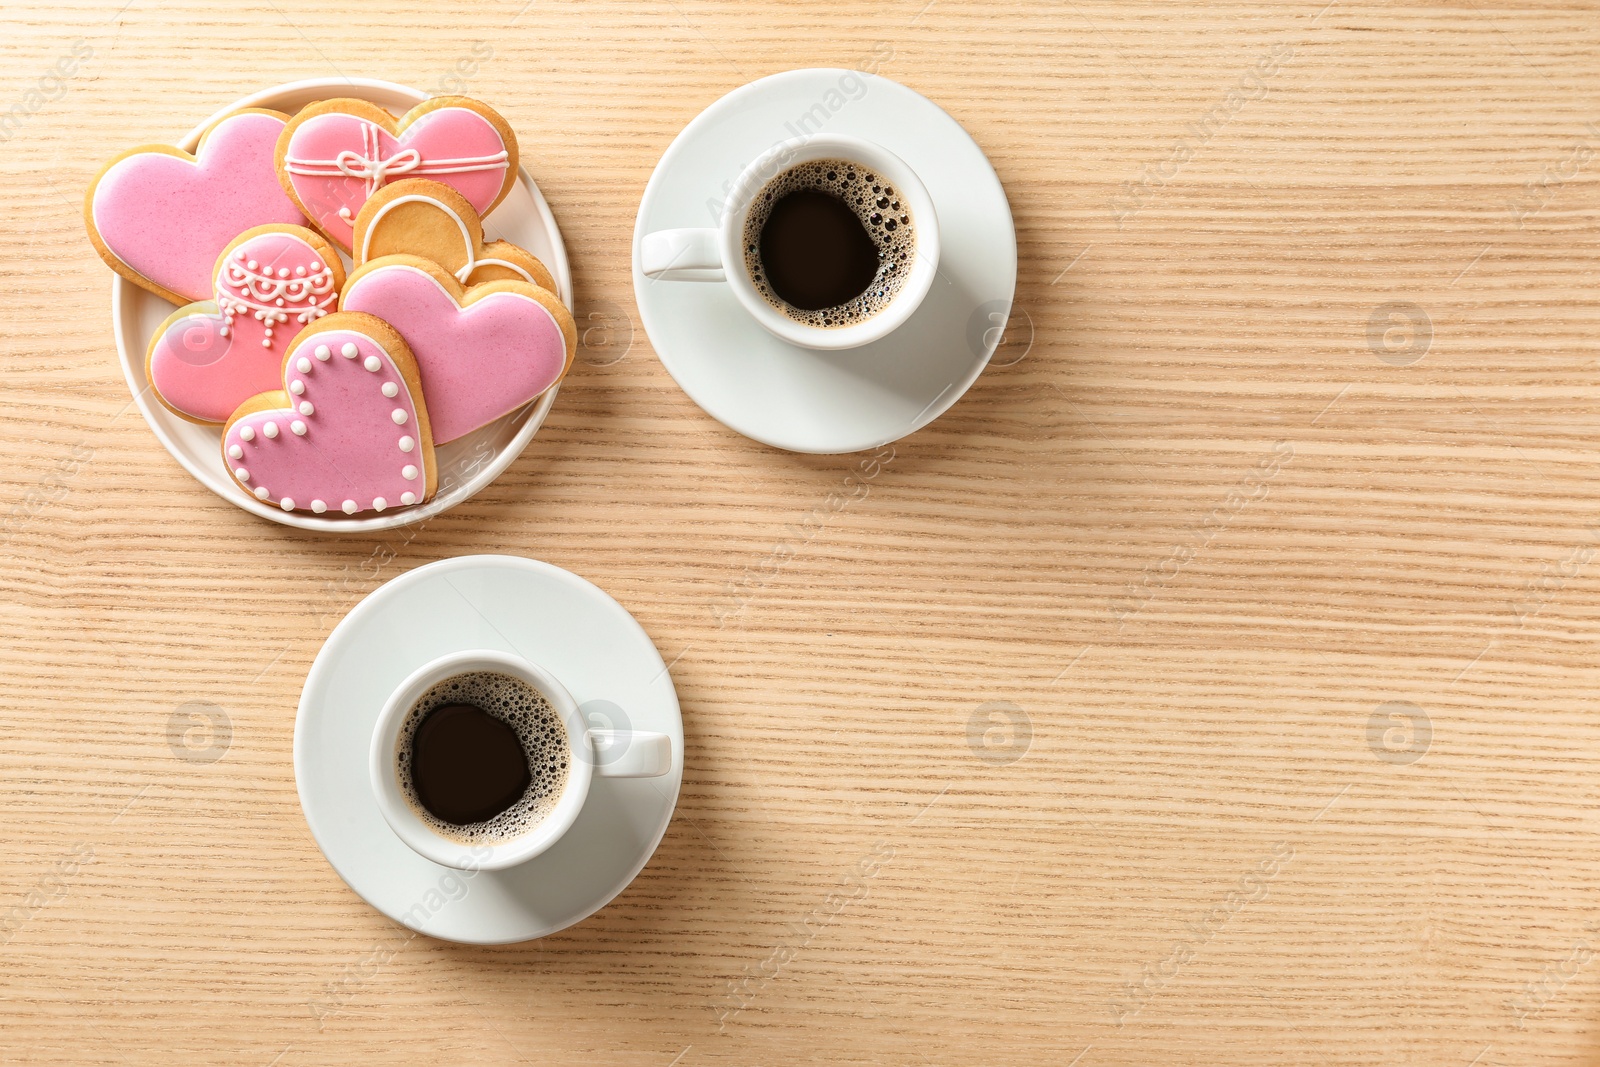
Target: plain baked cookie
[(348, 431), (426, 218), (269, 283), (484, 351), (160, 217), (334, 155)]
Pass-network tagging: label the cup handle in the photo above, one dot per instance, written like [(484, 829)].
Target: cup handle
[(682, 255), (630, 753)]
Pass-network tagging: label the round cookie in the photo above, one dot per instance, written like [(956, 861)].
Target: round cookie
[(426, 218), (335, 154), (349, 430), (483, 351)]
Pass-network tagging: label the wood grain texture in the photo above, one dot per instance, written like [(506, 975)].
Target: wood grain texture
[(1099, 672)]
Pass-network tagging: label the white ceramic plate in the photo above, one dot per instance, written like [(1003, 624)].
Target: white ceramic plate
[(465, 465), (796, 398), (543, 614)]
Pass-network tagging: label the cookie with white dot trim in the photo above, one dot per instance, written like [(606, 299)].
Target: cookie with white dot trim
[(349, 431), (270, 282), (484, 351)]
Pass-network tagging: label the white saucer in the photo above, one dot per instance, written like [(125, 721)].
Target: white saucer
[(466, 465), (796, 398), (546, 615)]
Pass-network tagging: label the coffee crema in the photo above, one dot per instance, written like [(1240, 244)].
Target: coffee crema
[(483, 747), (829, 243)]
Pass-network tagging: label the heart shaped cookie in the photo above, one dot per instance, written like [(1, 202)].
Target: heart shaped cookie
[(269, 284), (160, 217), (426, 218), (347, 432), (483, 351), (335, 154)]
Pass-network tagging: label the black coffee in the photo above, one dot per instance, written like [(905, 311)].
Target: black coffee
[(466, 765), (815, 251), (829, 243), (482, 757)]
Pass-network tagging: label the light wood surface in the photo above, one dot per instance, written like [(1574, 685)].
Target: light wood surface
[(1196, 539)]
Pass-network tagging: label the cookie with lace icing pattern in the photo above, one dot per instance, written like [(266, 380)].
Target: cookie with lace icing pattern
[(426, 218), (270, 283), (348, 432), (334, 155)]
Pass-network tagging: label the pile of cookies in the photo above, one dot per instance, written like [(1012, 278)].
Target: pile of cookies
[(332, 385)]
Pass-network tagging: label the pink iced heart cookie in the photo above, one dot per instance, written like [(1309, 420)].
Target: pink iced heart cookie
[(270, 283), (347, 432), (483, 351), (160, 217), (335, 154)]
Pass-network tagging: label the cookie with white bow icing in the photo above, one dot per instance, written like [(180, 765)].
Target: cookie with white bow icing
[(421, 217), (335, 155), (269, 283), (484, 351), (348, 432)]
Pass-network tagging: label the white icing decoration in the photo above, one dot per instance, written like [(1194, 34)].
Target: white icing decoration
[(349, 507), (466, 235), (349, 351), (407, 444), (303, 365), (378, 503), (462, 274), (235, 452), (305, 407), (408, 498), (261, 492), (265, 295), (318, 506), (372, 363), (241, 474), (287, 503), (372, 168), (344, 213), (408, 472), (390, 389), (472, 264), (399, 416), (322, 352), (246, 434), (298, 427), (270, 430), (297, 387)]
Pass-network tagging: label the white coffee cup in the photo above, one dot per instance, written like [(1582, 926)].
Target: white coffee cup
[(608, 753), (716, 254)]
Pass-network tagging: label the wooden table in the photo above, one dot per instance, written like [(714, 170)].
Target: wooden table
[(1214, 684)]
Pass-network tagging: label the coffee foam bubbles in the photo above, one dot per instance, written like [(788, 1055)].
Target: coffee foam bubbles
[(883, 213), (539, 730)]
